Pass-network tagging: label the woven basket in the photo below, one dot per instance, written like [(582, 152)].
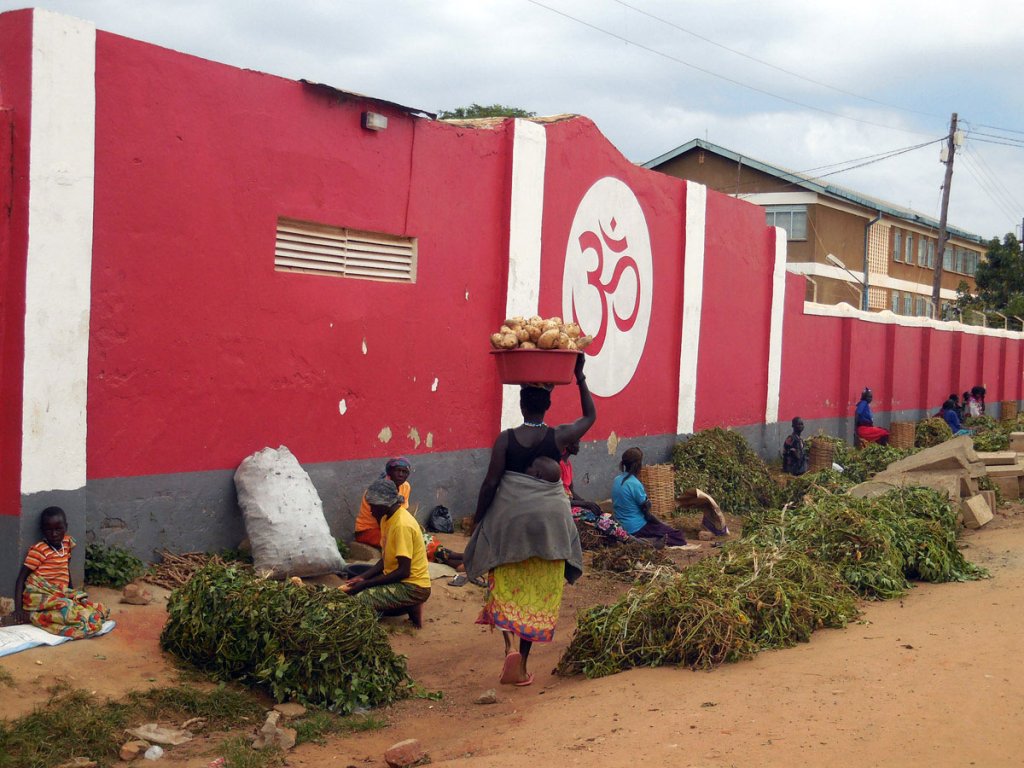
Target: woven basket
[(902, 434), (660, 482), (1008, 410), (820, 455)]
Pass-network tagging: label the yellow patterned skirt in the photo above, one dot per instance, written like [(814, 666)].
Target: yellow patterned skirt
[(524, 598)]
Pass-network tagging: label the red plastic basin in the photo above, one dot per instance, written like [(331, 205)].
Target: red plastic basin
[(535, 366)]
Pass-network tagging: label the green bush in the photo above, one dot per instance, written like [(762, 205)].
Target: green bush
[(111, 566)]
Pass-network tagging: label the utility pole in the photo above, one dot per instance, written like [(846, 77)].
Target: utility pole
[(941, 245)]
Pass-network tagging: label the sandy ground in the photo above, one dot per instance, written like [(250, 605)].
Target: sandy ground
[(934, 679)]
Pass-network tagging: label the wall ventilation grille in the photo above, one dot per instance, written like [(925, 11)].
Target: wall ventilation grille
[(322, 250)]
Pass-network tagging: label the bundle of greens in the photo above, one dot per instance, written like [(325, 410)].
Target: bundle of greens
[(309, 644), (720, 463), (633, 560), (721, 609), (814, 485), (871, 459), (931, 432)]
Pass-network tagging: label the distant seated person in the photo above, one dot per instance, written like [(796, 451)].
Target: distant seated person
[(864, 421), (794, 450), (587, 512), (400, 581), (397, 471), (633, 508), (951, 415), (976, 405)]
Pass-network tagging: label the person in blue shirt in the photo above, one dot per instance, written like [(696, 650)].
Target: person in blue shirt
[(864, 421), (633, 508), (952, 417)]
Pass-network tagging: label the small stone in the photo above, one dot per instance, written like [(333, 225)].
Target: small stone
[(290, 709), (404, 753), (132, 749), (487, 697)]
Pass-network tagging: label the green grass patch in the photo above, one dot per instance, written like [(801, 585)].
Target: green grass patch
[(239, 753), (317, 725), (6, 678), (73, 723)]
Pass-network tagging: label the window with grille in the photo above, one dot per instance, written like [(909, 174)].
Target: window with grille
[(897, 245), (931, 255), (792, 218), (896, 302), (318, 249), (908, 256), (922, 252), (908, 304)]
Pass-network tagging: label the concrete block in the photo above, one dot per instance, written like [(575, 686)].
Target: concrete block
[(994, 458), (948, 482), (990, 497), (1006, 470), (975, 511), (1009, 487), (954, 454), (968, 486), (1017, 442)]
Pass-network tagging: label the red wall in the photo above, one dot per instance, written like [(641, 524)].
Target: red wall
[(732, 363), (210, 353), (15, 123), (567, 179)]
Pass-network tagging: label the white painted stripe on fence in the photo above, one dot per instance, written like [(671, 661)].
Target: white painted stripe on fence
[(526, 213), (59, 257), (693, 303), (771, 411)]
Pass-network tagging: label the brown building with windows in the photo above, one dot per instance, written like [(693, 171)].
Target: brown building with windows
[(844, 242)]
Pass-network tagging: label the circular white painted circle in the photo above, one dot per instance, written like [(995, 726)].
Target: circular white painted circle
[(608, 282)]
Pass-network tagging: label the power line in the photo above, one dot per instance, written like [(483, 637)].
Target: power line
[(705, 71), (980, 159), (986, 186), (768, 64), (1003, 143)]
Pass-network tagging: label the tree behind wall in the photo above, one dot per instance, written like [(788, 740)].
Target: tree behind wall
[(475, 110), (1000, 280)]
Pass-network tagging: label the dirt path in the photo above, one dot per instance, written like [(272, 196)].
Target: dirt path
[(934, 679)]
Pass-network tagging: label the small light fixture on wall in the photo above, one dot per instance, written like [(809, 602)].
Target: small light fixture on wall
[(372, 121)]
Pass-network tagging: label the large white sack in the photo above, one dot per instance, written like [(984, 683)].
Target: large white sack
[(284, 517)]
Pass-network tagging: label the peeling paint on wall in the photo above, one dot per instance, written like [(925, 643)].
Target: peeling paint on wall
[(467, 295), (364, 346), (385, 435), (414, 435), (430, 439), (342, 407), (433, 387), (613, 444)]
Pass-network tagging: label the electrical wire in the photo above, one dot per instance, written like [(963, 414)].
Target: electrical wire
[(706, 71), (995, 136), (768, 64), (980, 159), (987, 187), (1003, 143)]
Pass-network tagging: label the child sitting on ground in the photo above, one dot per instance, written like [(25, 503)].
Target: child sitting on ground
[(48, 599)]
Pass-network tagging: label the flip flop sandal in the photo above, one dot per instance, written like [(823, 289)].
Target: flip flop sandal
[(479, 582), (510, 670), (527, 681), (459, 580)]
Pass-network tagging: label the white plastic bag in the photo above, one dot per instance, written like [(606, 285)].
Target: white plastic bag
[(284, 517)]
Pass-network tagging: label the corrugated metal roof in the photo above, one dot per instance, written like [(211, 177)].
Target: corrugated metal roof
[(808, 182)]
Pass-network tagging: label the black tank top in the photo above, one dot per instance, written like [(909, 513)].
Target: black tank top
[(518, 456)]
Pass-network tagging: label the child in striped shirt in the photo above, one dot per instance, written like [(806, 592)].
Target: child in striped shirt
[(47, 596)]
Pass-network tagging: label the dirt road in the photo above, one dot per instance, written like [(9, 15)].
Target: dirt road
[(934, 679)]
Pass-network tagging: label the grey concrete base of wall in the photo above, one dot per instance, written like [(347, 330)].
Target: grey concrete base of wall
[(198, 511)]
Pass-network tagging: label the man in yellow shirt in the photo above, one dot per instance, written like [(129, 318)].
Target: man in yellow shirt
[(399, 582)]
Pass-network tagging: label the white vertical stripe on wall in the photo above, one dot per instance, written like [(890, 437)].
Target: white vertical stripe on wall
[(526, 213), (771, 411), (59, 258), (693, 298)]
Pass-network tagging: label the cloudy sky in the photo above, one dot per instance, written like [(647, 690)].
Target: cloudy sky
[(803, 85)]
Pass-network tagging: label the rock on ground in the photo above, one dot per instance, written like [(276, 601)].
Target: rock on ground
[(404, 753)]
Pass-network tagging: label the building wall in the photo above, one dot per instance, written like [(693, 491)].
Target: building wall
[(200, 353)]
